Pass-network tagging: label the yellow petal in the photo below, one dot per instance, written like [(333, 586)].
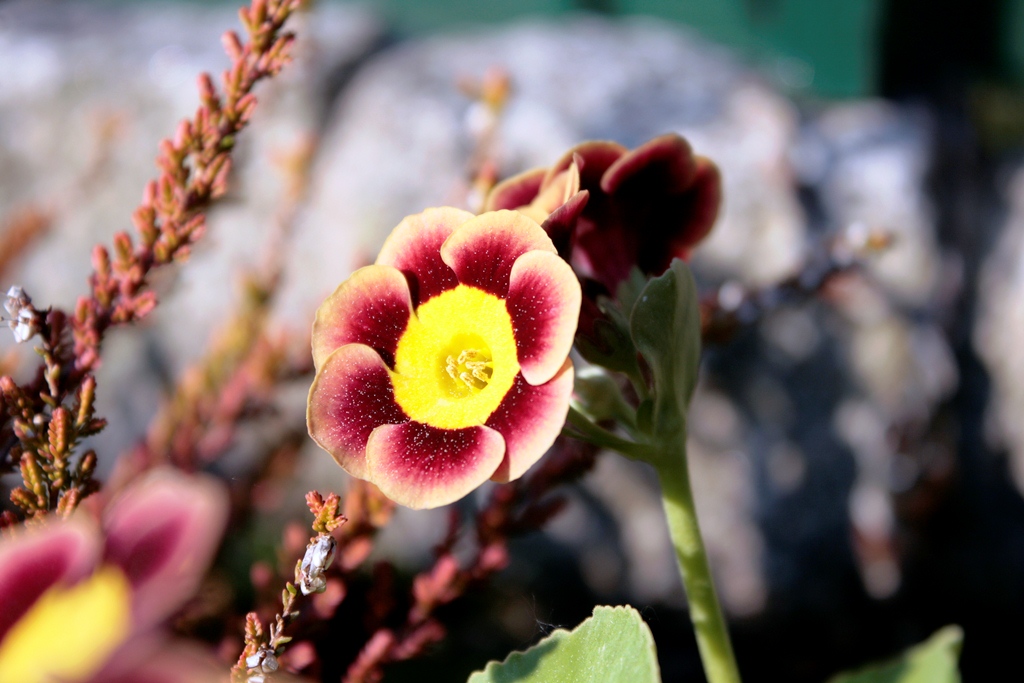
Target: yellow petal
[(70, 632)]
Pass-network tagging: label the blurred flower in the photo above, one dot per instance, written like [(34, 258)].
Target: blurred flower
[(446, 362), (643, 207), (80, 603)]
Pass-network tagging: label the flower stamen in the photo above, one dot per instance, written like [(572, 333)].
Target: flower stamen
[(471, 367)]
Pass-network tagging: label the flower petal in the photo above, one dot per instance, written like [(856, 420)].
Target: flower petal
[(560, 225), (705, 198), (91, 619), (519, 190), (482, 250), (558, 189), (372, 307), (163, 532), (664, 164), (593, 158), (544, 305), (32, 561), (530, 418), (413, 248), (159, 660), (420, 466), (352, 394)]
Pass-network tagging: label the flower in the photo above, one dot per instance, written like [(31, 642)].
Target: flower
[(80, 603), (445, 363), (617, 208)]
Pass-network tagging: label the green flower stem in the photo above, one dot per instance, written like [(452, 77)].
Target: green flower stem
[(668, 456), (705, 612), (591, 433)]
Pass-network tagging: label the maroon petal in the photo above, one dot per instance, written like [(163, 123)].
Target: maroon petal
[(420, 466), (593, 158), (153, 659), (351, 395), (372, 307), (34, 560), (530, 418), (162, 532), (662, 165), (705, 198), (519, 190), (482, 250), (607, 252), (413, 247), (561, 224)]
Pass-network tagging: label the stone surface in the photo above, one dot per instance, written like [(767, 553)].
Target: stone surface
[(999, 329), (402, 133)]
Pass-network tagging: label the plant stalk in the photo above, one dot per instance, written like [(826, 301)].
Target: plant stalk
[(705, 612)]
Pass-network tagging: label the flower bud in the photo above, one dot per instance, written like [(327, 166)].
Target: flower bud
[(318, 557)]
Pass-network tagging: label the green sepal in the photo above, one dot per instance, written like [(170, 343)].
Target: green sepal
[(612, 646), (631, 289), (610, 345), (600, 397), (933, 661), (665, 327), (645, 416)]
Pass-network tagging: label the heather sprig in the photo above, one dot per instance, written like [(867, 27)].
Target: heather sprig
[(194, 167), (262, 648)]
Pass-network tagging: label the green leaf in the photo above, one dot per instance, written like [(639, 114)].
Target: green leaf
[(612, 646), (665, 326), (933, 661)]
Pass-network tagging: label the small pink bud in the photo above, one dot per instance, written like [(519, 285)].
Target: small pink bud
[(101, 261), (232, 45), (149, 193), (144, 304), (207, 93)]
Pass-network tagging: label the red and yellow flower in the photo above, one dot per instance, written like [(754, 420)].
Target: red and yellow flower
[(82, 603), (445, 363)]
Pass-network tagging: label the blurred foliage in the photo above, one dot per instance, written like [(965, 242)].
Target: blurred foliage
[(933, 661)]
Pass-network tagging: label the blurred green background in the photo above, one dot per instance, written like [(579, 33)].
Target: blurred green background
[(827, 45), (830, 48)]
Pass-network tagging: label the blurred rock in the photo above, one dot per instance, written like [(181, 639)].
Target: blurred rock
[(866, 164), (402, 135), (999, 329), (869, 161)]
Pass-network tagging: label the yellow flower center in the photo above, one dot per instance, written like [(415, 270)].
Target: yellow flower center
[(69, 633), (456, 359)]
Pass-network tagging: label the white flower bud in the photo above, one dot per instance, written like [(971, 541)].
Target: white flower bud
[(264, 661), (318, 557), (24, 318)]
